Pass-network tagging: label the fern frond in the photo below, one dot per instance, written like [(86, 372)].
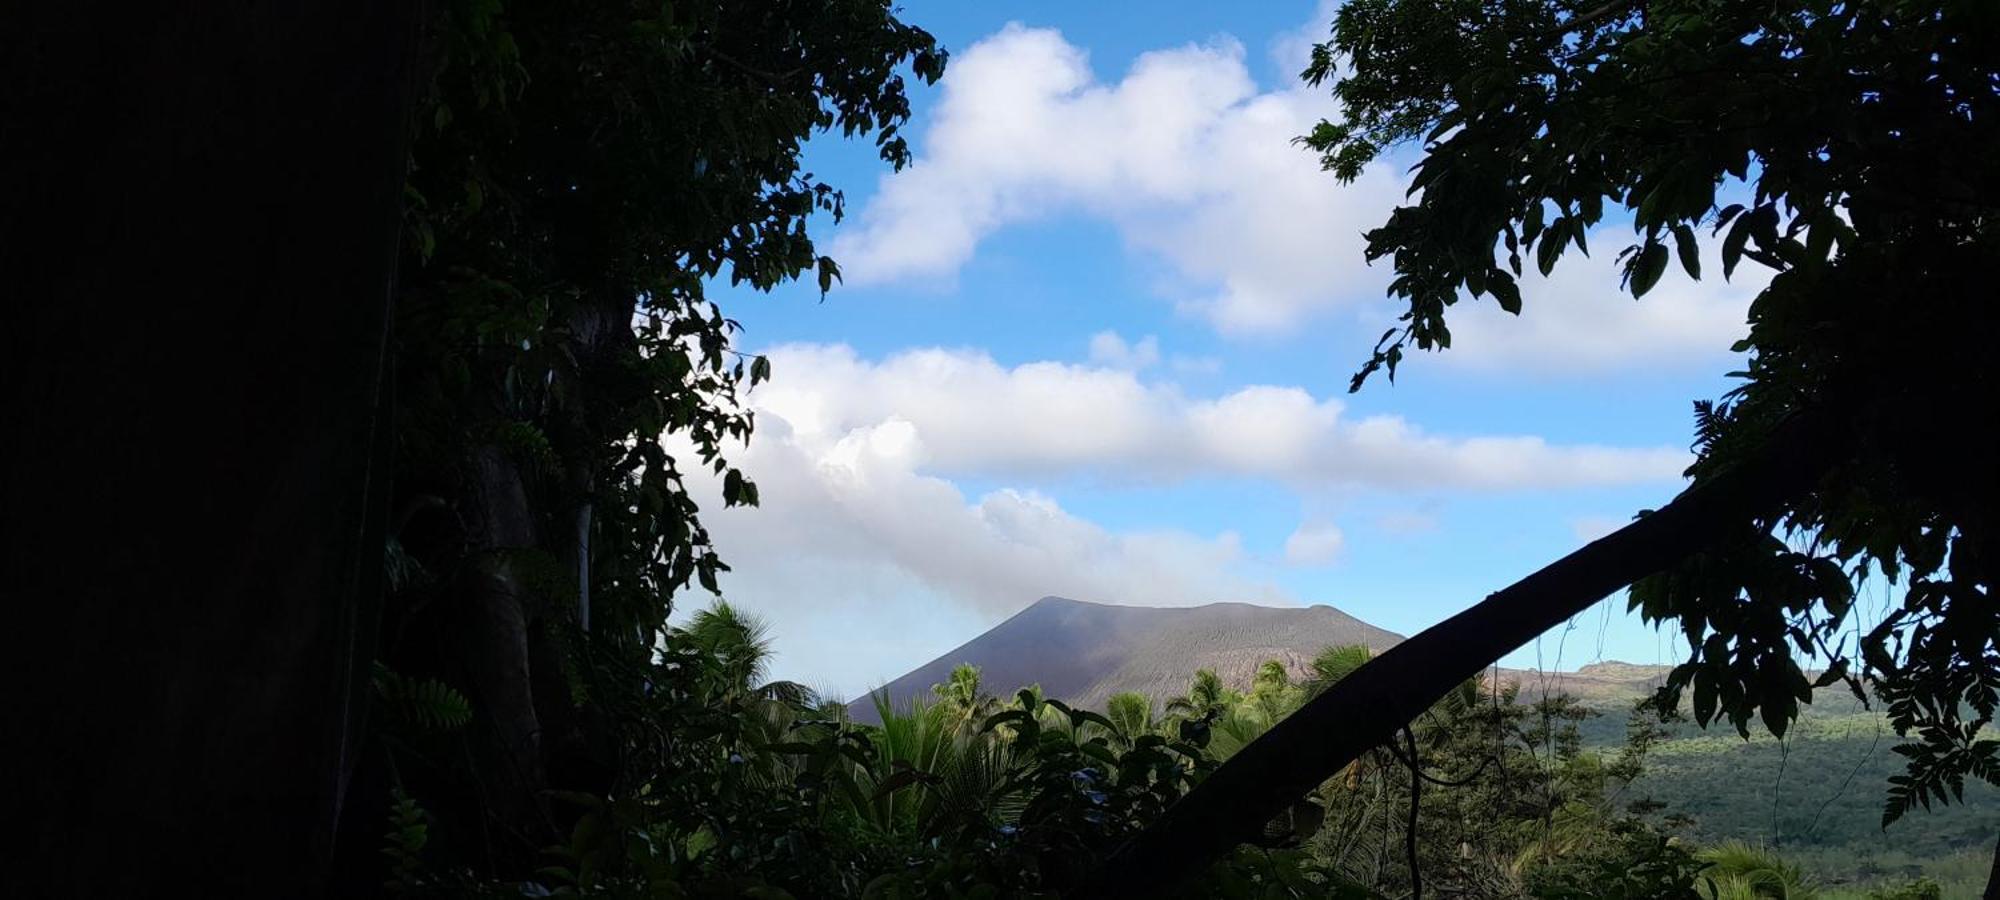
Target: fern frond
[(426, 704), (404, 843)]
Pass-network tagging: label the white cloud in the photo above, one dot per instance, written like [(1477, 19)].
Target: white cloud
[(857, 497), (1196, 167), (1184, 156), (958, 412), (1578, 321), (869, 561), (867, 567), (1314, 545), (1109, 350), (1291, 50)]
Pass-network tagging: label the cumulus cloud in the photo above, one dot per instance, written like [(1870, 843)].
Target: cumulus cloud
[(1577, 320), (1195, 167), (958, 412), (1110, 350), (1314, 544), (1184, 155), (867, 567), (847, 514), (862, 522)]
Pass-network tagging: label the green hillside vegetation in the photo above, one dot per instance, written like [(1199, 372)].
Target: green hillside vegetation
[(1817, 795), (1512, 798)]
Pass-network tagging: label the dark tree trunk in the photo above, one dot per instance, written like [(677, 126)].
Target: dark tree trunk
[(489, 633), (1992, 891), (197, 248), (1365, 709)]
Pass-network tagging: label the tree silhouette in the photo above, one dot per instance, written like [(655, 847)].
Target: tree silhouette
[(579, 173), (1846, 149)]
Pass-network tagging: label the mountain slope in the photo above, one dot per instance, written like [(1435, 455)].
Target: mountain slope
[(1082, 653)]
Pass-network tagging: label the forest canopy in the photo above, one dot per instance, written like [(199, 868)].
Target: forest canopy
[(1846, 147)]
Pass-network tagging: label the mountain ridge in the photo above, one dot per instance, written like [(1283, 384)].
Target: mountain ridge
[(1083, 652)]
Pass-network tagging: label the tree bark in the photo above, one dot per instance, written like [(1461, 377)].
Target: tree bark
[(1992, 891), (1365, 709), (198, 245), (489, 629)]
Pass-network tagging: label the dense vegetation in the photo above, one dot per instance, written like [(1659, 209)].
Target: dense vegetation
[(963, 793), (1845, 146), (1825, 139), (396, 617), (763, 785)]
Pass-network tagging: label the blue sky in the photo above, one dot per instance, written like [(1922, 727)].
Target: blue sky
[(1096, 342)]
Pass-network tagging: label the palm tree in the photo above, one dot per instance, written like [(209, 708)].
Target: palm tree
[(739, 642), (1206, 696), (1333, 664), (1271, 674), (1131, 712), (962, 700), (1328, 668), (1272, 694), (927, 774), (1234, 729), (1738, 871)]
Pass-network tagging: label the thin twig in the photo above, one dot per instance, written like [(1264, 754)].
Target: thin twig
[(1416, 802)]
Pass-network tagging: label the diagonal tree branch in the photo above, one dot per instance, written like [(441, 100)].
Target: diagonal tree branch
[(1365, 709)]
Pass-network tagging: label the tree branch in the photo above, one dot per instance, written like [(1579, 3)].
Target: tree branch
[(780, 80), (1416, 805), (1992, 891), (1586, 19), (1411, 762), (1365, 709)]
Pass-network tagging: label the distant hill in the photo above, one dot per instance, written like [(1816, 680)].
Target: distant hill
[(1082, 653), (1608, 685)]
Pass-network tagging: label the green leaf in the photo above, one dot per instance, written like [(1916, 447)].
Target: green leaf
[(1704, 696), (1079, 716), (1647, 268), (1001, 718), (1506, 292), (829, 272), (1688, 249), (1732, 246), (902, 779), (1819, 240), (791, 748), (1776, 710), (1551, 246)]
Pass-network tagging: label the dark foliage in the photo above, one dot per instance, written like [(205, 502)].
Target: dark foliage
[(1844, 146)]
